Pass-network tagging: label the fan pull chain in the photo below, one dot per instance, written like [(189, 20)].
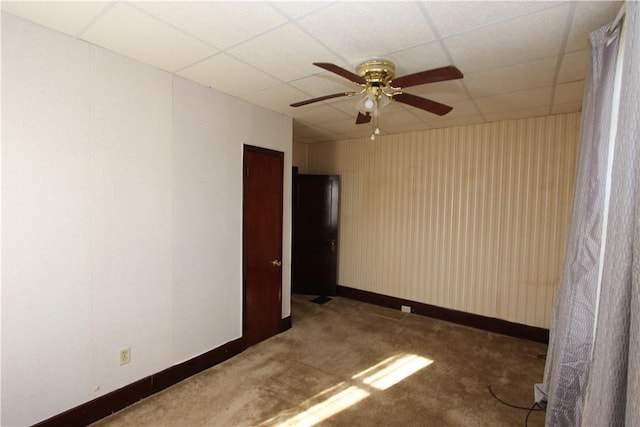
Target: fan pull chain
[(374, 123)]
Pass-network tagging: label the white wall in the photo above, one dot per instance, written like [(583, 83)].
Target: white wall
[(299, 156), (121, 219)]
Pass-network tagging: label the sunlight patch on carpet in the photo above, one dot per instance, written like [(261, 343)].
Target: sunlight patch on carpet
[(377, 378), (323, 410), (393, 370)]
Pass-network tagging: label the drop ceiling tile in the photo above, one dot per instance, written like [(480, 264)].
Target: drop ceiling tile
[(419, 58), (317, 140), (358, 131), (460, 109), (566, 108), (444, 92), (513, 78), (220, 23), (346, 105), (397, 107), (361, 30), (394, 128), (66, 17), (286, 52), (520, 40), (573, 66), (588, 17), (569, 92), (463, 121), (347, 127), (311, 132), (467, 15), (332, 134), (227, 74), (297, 9), (324, 84), (317, 115), (399, 123), (514, 101), (398, 118), (517, 114), (132, 33), (275, 98)]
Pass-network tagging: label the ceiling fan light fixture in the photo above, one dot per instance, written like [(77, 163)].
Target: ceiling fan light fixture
[(368, 103), (376, 77), (383, 101)]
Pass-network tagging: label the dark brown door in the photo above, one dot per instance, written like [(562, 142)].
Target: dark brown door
[(262, 241), (315, 234)]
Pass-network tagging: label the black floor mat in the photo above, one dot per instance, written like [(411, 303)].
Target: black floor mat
[(321, 299)]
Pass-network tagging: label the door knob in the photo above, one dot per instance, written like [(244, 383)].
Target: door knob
[(276, 263)]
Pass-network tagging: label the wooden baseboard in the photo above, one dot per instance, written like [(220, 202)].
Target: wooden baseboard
[(106, 405), (491, 324), (285, 324)]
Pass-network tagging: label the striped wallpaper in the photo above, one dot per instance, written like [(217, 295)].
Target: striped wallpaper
[(471, 218)]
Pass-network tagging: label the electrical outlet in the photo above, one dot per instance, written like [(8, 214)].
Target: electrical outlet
[(125, 356), (405, 308)]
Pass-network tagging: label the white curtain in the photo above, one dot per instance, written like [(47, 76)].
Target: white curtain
[(592, 371)]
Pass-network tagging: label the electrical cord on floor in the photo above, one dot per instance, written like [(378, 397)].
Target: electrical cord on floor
[(524, 408), (526, 419)]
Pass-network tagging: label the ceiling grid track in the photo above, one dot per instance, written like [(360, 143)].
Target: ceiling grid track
[(439, 39), (563, 46)]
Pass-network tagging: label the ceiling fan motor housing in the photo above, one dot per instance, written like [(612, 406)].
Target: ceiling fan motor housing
[(377, 72)]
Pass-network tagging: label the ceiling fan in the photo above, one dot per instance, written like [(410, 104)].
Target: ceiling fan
[(379, 87)]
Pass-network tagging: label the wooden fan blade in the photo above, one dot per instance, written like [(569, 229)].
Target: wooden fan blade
[(430, 76), (363, 118), (321, 98), (341, 72), (423, 103)]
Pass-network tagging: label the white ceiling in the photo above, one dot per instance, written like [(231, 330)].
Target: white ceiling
[(520, 58)]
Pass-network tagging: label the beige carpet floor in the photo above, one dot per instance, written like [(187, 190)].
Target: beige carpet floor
[(347, 363)]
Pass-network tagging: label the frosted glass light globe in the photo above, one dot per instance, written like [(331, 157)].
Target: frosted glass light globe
[(369, 104)]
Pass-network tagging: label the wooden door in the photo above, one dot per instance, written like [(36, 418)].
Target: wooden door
[(315, 234), (262, 243)]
